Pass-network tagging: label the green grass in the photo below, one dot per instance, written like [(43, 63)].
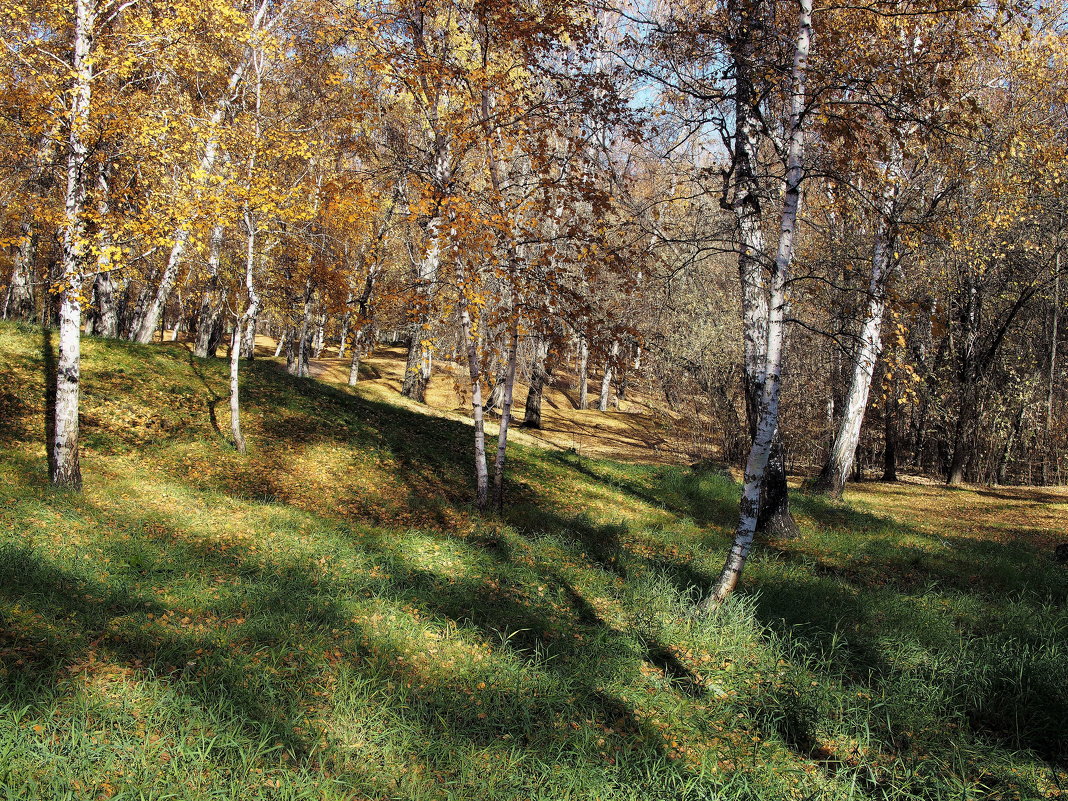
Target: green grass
[(326, 618)]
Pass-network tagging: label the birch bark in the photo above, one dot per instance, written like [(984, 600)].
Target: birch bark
[(583, 371), (470, 331), (506, 415), (832, 479), (774, 324), (213, 303), (149, 319), (66, 466)]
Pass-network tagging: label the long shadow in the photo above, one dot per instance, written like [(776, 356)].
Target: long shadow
[(884, 602), (1028, 494), (286, 604), (283, 606), (213, 397)]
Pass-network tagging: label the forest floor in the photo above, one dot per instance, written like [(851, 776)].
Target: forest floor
[(327, 617), (638, 429)]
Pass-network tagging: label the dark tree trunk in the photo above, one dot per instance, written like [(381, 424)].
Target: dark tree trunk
[(539, 376)]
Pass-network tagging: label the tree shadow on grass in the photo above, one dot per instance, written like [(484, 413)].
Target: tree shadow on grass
[(254, 657), (965, 618)]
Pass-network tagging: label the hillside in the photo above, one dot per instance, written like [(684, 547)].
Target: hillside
[(326, 617)]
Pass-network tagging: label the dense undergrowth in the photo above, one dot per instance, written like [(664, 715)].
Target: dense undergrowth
[(327, 618)]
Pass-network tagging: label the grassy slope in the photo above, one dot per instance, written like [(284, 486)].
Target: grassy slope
[(326, 618)]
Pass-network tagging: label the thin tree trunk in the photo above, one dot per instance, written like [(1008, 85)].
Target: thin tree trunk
[(417, 365), (242, 321), (248, 339), (962, 440), (475, 369), (66, 465), (583, 370), (281, 343), (106, 323), (506, 415), (363, 324), (343, 339), (235, 389), (178, 317), (775, 519), (146, 324), (354, 365), (20, 298), (20, 301), (1052, 373), (768, 424), (319, 340), (890, 437), (606, 381), (298, 365)]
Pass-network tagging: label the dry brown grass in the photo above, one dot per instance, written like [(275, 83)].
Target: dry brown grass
[(1038, 515), (636, 432)]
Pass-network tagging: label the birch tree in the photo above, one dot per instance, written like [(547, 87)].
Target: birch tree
[(772, 324)]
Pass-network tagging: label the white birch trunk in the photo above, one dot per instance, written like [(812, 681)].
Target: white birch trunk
[(506, 415), (146, 325), (177, 320), (477, 412), (583, 370), (539, 377), (417, 366), (235, 387), (836, 470), (66, 467), (211, 306), (768, 421), (606, 382), (343, 338), (319, 340)]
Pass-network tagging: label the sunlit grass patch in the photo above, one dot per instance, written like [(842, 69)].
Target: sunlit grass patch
[(328, 617)]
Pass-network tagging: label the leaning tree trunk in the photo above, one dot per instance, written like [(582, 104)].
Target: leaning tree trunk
[(146, 323), (768, 423), (832, 478), (66, 465), (775, 520)]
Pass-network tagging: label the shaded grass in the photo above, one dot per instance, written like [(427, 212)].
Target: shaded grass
[(327, 618)]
